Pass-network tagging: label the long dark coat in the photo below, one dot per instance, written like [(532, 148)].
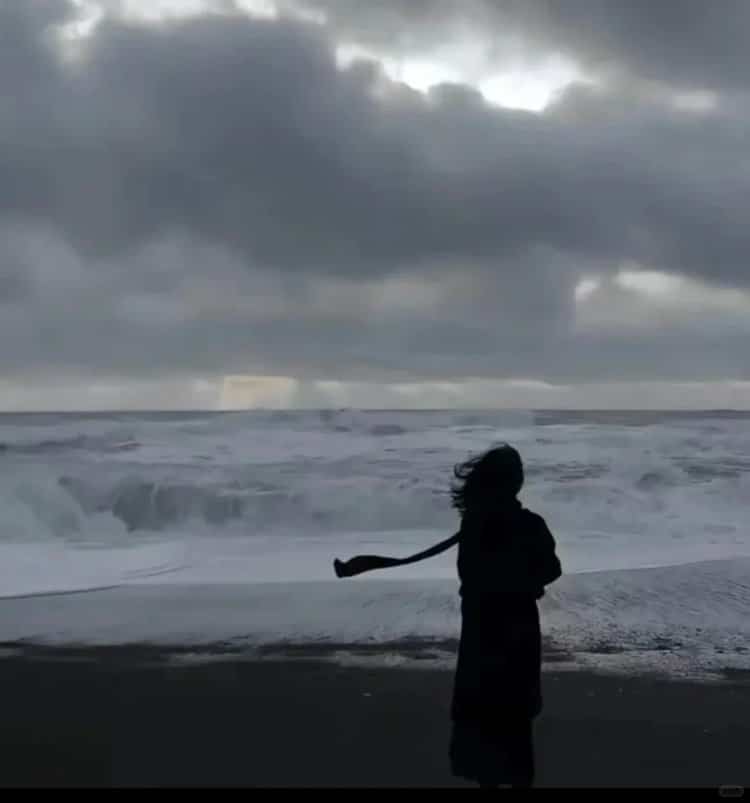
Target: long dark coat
[(506, 556)]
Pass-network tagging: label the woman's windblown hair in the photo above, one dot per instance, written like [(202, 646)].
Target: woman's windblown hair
[(496, 475)]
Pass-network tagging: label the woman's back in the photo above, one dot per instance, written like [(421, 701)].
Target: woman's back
[(505, 549)]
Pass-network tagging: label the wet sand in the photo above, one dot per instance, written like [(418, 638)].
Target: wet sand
[(127, 718)]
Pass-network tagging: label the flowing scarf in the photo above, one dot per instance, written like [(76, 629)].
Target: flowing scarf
[(367, 563)]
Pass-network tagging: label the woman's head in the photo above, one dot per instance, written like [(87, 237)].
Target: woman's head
[(496, 475)]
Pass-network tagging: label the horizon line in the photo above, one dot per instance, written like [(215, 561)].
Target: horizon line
[(121, 411)]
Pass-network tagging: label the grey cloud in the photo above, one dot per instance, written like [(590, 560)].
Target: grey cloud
[(96, 323), (685, 42), (245, 133), (224, 150)]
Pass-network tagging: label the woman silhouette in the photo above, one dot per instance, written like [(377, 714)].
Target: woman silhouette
[(506, 556)]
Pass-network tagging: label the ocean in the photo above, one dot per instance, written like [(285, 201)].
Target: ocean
[(208, 528)]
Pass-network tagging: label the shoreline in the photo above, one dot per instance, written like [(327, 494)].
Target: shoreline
[(688, 621), (406, 655), (98, 716)]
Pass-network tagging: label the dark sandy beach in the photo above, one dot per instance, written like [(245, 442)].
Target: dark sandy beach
[(108, 717)]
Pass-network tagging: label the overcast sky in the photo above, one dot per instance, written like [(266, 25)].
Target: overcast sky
[(401, 203)]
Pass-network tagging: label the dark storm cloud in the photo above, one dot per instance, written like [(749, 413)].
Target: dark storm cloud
[(685, 42), (245, 133), (241, 140)]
